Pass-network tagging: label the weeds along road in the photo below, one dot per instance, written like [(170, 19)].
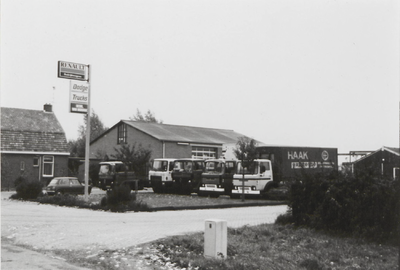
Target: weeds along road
[(53, 227)]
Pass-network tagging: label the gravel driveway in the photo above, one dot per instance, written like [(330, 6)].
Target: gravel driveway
[(52, 227), (48, 226)]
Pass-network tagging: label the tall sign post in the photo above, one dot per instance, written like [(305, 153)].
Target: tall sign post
[(79, 93)]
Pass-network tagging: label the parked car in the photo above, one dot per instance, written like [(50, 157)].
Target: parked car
[(66, 185)]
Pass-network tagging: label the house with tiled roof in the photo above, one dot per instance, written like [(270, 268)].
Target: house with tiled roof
[(385, 162), (166, 141), (33, 145)]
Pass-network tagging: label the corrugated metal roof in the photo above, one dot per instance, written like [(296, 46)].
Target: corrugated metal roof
[(31, 131), (186, 134)]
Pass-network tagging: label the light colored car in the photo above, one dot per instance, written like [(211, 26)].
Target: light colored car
[(66, 185)]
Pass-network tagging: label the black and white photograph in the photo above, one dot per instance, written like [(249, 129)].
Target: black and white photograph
[(198, 134)]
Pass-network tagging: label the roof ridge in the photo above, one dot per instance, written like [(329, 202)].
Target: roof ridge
[(176, 125)]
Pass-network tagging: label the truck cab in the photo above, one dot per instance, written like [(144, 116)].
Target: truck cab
[(217, 177), (257, 178), (186, 175), (160, 174), (115, 173)]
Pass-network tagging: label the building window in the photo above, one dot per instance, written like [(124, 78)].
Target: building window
[(48, 166), (36, 162), (122, 134), (204, 152), (22, 165)]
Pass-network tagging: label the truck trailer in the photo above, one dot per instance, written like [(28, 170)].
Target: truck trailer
[(289, 161), (278, 164)]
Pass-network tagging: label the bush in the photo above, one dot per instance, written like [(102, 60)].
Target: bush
[(119, 195), (63, 200), (27, 189), (361, 205), (120, 199)]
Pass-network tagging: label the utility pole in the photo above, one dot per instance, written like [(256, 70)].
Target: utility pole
[(87, 141)]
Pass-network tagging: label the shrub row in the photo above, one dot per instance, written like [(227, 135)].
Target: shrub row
[(119, 199), (362, 205)]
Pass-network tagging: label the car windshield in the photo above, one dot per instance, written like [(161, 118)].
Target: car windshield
[(251, 169), (75, 182), (160, 165), (53, 182), (214, 167)]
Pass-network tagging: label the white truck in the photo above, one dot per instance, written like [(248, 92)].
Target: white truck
[(160, 174), (258, 178)]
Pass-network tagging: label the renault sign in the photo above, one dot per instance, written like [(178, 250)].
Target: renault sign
[(73, 71)]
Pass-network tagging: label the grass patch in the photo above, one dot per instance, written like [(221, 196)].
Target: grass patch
[(278, 247), (144, 201)]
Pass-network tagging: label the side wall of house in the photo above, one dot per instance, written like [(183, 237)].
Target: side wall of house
[(15, 165)]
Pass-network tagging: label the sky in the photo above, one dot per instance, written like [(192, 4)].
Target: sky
[(317, 73)]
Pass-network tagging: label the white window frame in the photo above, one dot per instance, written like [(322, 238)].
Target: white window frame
[(36, 162), (22, 166), (46, 163), (204, 152)]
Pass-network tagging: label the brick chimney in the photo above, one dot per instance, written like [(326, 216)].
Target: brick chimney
[(48, 108)]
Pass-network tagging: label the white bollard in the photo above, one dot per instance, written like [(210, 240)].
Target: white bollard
[(215, 239)]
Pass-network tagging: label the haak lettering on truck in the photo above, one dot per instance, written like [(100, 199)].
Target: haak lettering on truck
[(282, 163), (289, 161)]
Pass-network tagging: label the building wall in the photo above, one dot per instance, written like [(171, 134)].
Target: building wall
[(15, 165), (379, 163), (174, 150), (107, 143)]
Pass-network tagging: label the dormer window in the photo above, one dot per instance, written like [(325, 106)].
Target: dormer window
[(122, 134)]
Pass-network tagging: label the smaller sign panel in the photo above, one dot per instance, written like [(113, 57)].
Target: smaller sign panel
[(79, 96), (73, 71), (78, 108)]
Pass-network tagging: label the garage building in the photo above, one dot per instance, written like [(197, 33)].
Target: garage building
[(166, 141)]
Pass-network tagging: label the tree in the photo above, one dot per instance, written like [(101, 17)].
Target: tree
[(245, 151), (77, 147), (136, 159), (148, 117)]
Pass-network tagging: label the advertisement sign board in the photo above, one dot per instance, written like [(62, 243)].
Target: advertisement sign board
[(79, 96), (73, 71)]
